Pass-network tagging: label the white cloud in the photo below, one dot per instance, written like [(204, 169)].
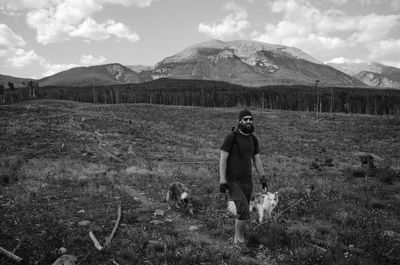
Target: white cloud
[(308, 28), (59, 20), (121, 31), (17, 5), (392, 63), (9, 38), (48, 29), (90, 29), (231, 25), (22, 58), (90, 60), (385, 49), (395, 4), (51, 69), (138, 3), (373, 27), (370, 2), (10, 49), (338, 2), (342, 60)]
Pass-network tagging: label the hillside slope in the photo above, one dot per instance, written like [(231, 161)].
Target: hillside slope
[(250, 63), (17, 81), (373, 74), (108, 74)]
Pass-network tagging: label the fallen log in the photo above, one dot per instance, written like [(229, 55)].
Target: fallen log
[(317, 247), (10, 255), (332, 245)]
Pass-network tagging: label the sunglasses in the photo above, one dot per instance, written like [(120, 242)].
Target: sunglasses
[(247, 119)]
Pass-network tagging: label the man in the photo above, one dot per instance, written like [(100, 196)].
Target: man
[(238, 151)]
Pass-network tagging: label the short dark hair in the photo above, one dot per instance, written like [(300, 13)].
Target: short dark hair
[(244, 113)]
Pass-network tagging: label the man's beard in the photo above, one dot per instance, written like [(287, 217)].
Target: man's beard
[(246, 128)]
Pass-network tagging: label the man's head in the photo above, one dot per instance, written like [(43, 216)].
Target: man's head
[(244, 113), (245, 124)]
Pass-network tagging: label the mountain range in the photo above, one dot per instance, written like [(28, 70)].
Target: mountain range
[(372, 74), (248, 63)]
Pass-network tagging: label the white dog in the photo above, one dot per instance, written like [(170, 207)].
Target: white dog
[(263, 203)]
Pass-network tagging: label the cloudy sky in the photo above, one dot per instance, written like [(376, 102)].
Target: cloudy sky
[(42, 37)]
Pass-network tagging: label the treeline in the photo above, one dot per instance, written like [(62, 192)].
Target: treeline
[(14, 94), (222, 94)]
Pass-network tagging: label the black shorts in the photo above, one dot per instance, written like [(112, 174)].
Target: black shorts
[(241, 195)]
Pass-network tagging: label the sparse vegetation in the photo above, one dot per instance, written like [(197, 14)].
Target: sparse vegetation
[(66, 162)]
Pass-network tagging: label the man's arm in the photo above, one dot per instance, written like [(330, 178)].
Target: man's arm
[(222, 166), (260, 169)]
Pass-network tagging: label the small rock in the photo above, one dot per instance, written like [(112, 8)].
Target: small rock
[(158, 212), (377, 204), (193, 228), (83, 178), (65, 260), (156, 222), (62, 250), (81, 211), (390, 233), (168, 220), (248, 260), (84, 223)]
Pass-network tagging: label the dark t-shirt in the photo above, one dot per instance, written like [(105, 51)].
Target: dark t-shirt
[(239, 166)]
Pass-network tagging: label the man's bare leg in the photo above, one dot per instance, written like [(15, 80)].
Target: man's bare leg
[(240, 227)]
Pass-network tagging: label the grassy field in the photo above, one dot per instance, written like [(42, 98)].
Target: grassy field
[(66, 167)]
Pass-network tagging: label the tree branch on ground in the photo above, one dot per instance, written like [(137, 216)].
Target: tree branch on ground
[(108, 240), (10, 255), (95, 241)]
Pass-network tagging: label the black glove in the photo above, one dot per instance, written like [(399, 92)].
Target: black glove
[(263, 181), (223, 187), (264, 186)]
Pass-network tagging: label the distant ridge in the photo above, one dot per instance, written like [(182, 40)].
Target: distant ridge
[(250, 63), (242, 62), (373, 74), (140, 68), (17, 81), (107, 74)]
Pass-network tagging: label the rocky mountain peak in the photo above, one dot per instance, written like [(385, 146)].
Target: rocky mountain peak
[(118, 71)]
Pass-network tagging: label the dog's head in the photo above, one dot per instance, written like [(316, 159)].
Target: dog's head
[(179, 193), (267, 200), (186, 203), (271, 199)]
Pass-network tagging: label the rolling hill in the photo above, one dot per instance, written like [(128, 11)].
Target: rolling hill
[(98, 75), (17, 81), (373, 74)]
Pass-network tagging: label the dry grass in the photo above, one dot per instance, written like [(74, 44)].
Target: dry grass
[(59, 158)]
